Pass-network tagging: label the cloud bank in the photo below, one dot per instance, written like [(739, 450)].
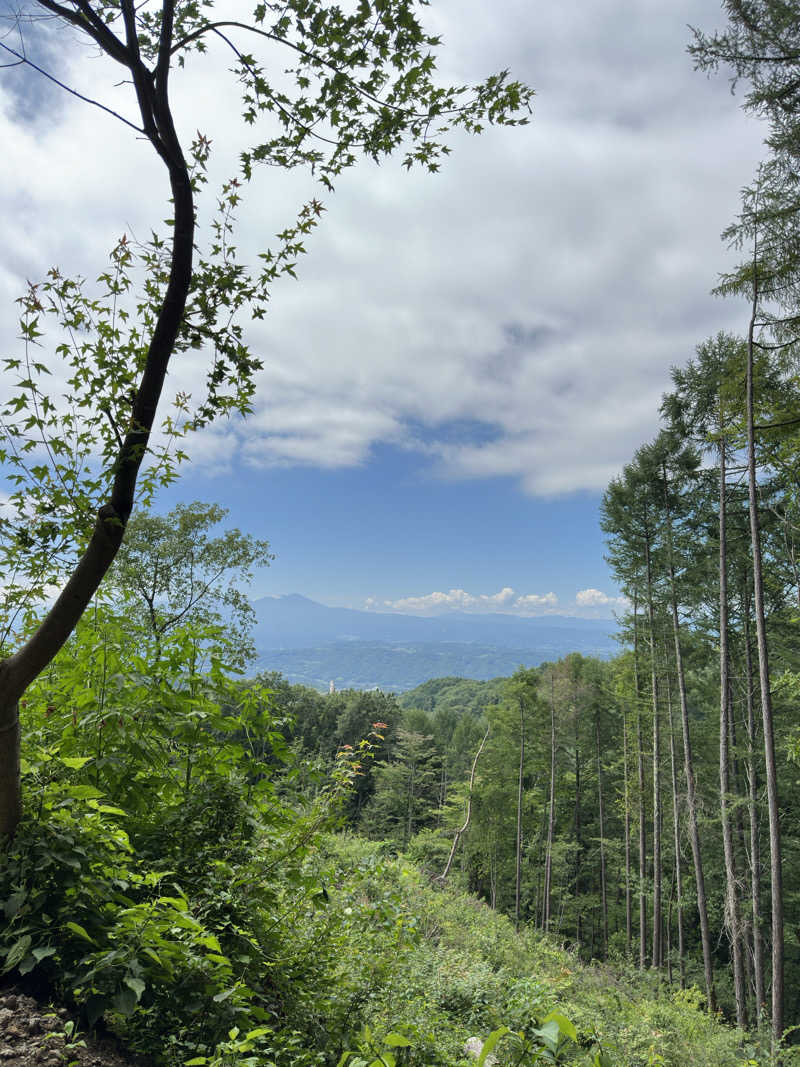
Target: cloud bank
[(591, 603)]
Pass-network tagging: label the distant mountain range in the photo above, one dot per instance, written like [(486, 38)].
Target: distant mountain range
[(314, 644)]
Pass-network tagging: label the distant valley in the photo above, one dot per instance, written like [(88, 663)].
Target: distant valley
[(314, 644)]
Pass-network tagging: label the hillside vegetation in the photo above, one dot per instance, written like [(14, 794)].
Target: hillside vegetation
[(177, 878)]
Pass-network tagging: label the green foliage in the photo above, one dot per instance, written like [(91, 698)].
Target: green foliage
[(172, 571), (372, 1053), (157, 870), (169, 878)]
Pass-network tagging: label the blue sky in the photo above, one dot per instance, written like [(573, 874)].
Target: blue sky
[(466, 360), (390, 528)]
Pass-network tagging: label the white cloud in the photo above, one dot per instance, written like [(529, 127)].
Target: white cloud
[(541, 285), (588, 603), (594, 598), (505, 601)]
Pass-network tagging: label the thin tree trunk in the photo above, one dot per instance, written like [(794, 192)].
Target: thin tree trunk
[(691, 792), (741, 854), (770, 763), (464, 827), (628, 901), (669, 925), (657, 816), (493, 876), (519, 815), (548, 861), (676, 834), (603, 896), (752, 808), (642, 824), (732, 921), (578, 841)]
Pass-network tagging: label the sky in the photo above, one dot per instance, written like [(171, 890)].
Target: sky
[(466, 359)]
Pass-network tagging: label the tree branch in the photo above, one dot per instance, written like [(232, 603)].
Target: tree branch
[(22, 59), (93, 25)]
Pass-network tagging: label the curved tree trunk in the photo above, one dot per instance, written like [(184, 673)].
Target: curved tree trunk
[(463, 829), (18, 671)]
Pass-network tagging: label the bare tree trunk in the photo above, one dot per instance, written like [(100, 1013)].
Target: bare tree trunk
[(741, 855), (493, 876), (627, 831), (691, 792), (603, 896), (732, 921), (578, 825), (669, 926), (657, 815), (676, 834), (519, 814), (753, 815), (771, 768), (464, 827), (548, 861), (642, 824)]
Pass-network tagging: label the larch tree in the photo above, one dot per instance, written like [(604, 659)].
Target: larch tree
[(761, 47), (360, 83)]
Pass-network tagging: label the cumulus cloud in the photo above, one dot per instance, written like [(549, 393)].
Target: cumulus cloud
[(506, 601), (594, 598), (588, 603), (541, 286)]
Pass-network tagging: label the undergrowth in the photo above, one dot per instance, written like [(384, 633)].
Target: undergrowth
[(172, 878)]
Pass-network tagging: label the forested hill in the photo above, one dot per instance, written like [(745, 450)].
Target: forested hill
[(297, 622), (312, 644)]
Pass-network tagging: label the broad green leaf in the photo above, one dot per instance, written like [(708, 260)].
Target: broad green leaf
[(125, 1002), (490, 1042), (564, 1025), (218, 999), (76, 928), (14, 903), (75, 763), (95, 1006), (260, 1031), (106, 809), (83, 792), (394, 1040), (550, 1033), (17, 951), (136, 984)]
